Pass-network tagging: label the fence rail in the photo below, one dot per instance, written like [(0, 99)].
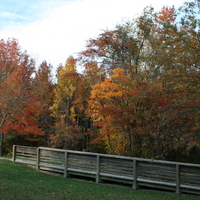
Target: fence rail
[(174, 176)]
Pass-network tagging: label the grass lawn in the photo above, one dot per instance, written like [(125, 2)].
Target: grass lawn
[(19, 182)]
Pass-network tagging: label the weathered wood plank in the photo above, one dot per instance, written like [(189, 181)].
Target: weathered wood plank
[(191, 179), (82, 167), (158, 175), (51, 166), (51, 151), (26, 154), (53, 155), (51, 159), (28, 162), (113, 170), (157, 186), (87, 158), (190, 187), (153, 166), (156, 182), (82, 171), (116, 169), (151, 172), (116, 176), (119, 166)]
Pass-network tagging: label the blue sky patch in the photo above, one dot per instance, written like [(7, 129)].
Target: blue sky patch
[(20, 12)]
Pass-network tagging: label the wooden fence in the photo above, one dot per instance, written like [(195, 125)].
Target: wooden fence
[(156, 174)]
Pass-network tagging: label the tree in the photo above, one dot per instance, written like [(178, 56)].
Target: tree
[(113, 106), (176, 46), (184, 72), (67, 134), (18, 98), (113, 49), (175, 65), (159, 53), (45, 86)]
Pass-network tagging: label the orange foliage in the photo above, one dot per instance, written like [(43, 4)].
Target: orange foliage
[(20, 105), (167, 14)]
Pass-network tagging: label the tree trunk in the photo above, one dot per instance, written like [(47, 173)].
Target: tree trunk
[(1, 143)]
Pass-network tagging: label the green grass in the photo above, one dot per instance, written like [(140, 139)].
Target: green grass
[(19, 182)]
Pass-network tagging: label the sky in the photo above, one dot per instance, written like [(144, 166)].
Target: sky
[(53, 30)]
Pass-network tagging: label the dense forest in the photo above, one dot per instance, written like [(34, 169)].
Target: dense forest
[(138, 93)]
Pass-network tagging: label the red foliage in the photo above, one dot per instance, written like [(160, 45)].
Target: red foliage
[(20, 105)]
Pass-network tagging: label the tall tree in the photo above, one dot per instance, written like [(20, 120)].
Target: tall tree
[(114, 107), (113, 49), (67, 134), (175, 65), (16, 89), (44, 85), (168, 68)]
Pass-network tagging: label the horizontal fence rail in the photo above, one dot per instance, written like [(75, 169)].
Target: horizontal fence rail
[(156, 174)]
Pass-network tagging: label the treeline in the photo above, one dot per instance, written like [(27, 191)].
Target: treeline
[(138, 94)]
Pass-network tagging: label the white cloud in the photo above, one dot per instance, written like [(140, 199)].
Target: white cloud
[(10, 15), (64, 30)]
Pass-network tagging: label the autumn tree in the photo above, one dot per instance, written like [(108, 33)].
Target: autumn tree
[(67, 133), (93, 73), (138, 94), (175, 65), (113, 49), (44, 85), (166, 63), (112, 108), (18, 100), (174, 49)]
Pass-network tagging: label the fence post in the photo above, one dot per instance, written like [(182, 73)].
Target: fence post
[(134, 186), (177, 179), (14, 153), (98, 169), (38, 159), (66, 165)]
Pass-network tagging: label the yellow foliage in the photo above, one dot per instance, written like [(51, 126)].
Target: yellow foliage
[(65, 90)]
